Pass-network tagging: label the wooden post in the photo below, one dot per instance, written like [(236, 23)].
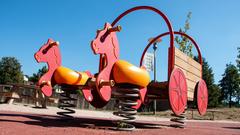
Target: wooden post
[(192, 113), (36, 95), (44, 101), (13, 95)]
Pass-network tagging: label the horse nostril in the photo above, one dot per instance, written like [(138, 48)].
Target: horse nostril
[(37, 57), (94, 44), (95, 47)]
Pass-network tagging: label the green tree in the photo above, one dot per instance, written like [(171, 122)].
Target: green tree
[(36, 76), (213, 89), (184, 44), (10, 71), (238, 58), (238, 65), (230, 84)]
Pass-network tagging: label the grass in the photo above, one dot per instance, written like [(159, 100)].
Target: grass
[(232, 114)]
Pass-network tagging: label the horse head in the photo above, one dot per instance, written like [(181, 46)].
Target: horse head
[(48, 50), (106, 41), (106, 44), (49, 53)]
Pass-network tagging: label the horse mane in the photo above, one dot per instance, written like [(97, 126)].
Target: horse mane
[(115, 45), (57, 55)]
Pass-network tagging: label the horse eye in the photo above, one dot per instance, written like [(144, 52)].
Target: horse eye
[(44, 51)]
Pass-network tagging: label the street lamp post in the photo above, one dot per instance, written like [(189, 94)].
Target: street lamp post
[(155, 77), (154, 70)]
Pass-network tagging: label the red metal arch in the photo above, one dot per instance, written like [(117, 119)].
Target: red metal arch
[(171, 33), (171, 58)]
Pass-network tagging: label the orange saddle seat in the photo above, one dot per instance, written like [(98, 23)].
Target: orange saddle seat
[(63, 75), (124, 72)]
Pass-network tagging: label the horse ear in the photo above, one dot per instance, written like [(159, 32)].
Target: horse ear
[(105, 25), (50, 41)]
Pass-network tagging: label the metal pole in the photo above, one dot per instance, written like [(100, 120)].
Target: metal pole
[(155, 77)]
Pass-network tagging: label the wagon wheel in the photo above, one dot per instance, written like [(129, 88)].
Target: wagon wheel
[(202, 97), (177, 91)]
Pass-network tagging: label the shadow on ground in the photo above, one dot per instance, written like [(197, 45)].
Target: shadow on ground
[(59, 121), (232, 127)]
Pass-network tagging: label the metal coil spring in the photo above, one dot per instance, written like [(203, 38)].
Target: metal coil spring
[(65, 103), (180, 120), (126, 99)]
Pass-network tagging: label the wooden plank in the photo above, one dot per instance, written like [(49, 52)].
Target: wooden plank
[(190, 92), (53, 100), (189, 75), (187, 59), (186, 66), (10, 94), (192, 77), (190, 95), (191, 84), (7, 94), (194, 63)]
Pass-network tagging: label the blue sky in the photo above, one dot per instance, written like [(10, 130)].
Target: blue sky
[(26, 25)]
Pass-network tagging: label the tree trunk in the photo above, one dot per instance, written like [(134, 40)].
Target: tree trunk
[(238, 101), (230, 100)]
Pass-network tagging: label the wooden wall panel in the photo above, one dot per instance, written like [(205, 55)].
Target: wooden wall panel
[(190, 68)]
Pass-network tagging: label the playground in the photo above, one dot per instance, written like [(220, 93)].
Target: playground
[(122, 97)]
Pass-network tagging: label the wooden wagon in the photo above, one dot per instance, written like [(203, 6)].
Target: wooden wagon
[(184, 82)]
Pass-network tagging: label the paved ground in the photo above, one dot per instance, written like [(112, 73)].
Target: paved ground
[(25, 120)]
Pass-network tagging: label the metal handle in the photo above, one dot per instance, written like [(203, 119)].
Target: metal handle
[(48, 83), (110, 83), (54, 44), (115, 29), (92, 83)]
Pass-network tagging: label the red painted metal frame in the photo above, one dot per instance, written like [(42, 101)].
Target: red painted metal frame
[(171, 51), (171, 33), (143, 91)]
